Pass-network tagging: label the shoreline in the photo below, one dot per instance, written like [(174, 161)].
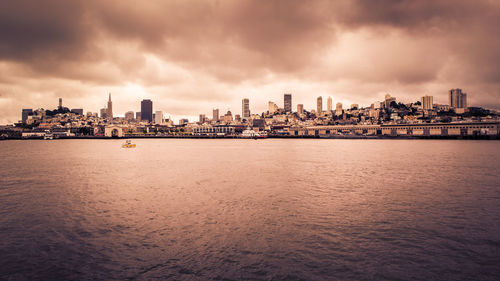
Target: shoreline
[(384, 137)]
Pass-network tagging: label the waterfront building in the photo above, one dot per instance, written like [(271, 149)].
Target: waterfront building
[(146, 110), (25, 113), (215, 114), (245, 108), (319, 105), (457, 98), (329, 106), (110, 108), (427, 102), (300, 108), (287, 103)]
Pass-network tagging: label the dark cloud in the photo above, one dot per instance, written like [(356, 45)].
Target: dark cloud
[(252, 44)]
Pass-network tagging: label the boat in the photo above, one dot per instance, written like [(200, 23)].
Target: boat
[(48, 136), (128, 144), (251, 134)]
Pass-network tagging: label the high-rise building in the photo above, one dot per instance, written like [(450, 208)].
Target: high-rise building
[(319, 105), (183, 121), (138, 116), (245, 108), (110, 108), (25, 113), (202, 118), (458, 99), (158, 117), (147, 111), (338, 109), (215, 114), (129, 115), (427, 102), (288, 103), (300, 108), (60, 103), (103, 112), (228, 117), (329, 106), (272, 107)]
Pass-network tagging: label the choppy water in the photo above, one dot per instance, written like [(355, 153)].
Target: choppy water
[(244, 209)]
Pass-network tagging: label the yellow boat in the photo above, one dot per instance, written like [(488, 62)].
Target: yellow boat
[(128, 144)]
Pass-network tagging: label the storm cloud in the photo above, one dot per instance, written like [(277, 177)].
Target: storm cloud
[(190, 56)]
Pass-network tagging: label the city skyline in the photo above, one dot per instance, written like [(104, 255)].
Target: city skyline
[(214, 54)]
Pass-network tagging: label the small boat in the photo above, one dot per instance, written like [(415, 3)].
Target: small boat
[(48, 136), (128, 144)]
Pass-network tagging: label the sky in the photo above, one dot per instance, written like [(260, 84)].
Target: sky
[(192, 56)]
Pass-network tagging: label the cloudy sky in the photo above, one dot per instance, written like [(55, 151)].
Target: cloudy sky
[(192, 56)]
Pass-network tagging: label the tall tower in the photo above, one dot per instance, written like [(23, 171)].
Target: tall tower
[(319, 105), (329, 104), (215, 114), (110, 108), (245, 108), (146, 111), (288, 103), (60, 103)]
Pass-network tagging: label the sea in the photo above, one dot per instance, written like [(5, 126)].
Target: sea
[(237, 209)]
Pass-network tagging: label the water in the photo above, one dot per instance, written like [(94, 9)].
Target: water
[(243, 209)]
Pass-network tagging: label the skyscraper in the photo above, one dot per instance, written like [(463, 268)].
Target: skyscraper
[(319, 105), (288, 103), (329, 106), (60, 103), (25, 113), (300, 108), (202, 118), (215, 114), (245, 108), (427, 102), (158, 117), (338, 109), (458, 99), (109, 113), (146, 111)]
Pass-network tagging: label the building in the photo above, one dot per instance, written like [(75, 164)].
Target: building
[(319, 105), (300, 108), (25, 113), (329, 106), (288, 103), (202, 118), (78, 111), (228, 117), (183, 121), (110, 108), (129, 115), (147, 111), (158, 117), (245, 108), (103, 112), (389, 100), (138, 116), (60, 103), (338, 109), (272, 107), (215, 114), (427, 102), (457, 98)]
